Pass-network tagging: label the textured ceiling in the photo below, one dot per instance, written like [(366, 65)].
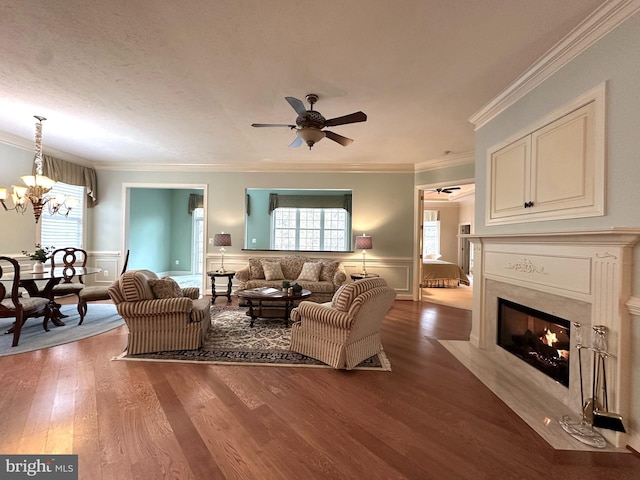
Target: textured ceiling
[(166, 82)]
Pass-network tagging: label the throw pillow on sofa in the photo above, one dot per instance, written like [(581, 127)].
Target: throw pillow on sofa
[(328, 270), (310, 271), (272, 271), (165, 288)]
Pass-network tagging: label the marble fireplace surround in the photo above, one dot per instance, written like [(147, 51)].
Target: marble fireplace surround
[(583, 277)]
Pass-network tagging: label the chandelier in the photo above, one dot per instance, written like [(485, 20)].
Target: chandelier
[(37, 188)]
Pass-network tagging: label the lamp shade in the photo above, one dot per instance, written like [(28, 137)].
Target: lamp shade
[(222, 240), (364, 243)]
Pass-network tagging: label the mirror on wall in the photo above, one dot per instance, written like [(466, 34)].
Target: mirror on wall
[(298, 220)]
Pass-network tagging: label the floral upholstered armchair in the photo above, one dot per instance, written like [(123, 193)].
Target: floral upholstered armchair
[(344, 332), (160, 315)]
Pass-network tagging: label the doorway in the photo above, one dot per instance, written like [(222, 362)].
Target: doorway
[(466, 251), (165, 228)]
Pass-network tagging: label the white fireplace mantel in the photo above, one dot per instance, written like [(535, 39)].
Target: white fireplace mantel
[(583, 276)]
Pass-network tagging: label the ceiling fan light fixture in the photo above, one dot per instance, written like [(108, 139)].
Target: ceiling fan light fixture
[(310, 135)]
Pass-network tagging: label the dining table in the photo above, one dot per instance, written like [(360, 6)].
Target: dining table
[(41, 285)]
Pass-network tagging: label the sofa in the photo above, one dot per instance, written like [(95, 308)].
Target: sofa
[(160, 315), (321, 276), (344, 332)]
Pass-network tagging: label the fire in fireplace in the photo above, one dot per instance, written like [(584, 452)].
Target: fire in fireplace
[(540, 339)]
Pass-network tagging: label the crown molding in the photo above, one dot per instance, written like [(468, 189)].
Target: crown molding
[(446, 161), (29, 145), (262, 167), (602, 21)]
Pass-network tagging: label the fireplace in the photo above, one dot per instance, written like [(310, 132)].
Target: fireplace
[(583, 277), (540, 339)]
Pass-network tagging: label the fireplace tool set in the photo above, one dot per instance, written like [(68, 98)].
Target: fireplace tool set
[(595, 410)]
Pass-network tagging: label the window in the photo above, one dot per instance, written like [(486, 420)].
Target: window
[(315, 229), (431, 233), (198, 246), (62, 231)]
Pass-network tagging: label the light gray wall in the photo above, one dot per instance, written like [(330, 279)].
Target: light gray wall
[(15, 162), (449, 217), (450, 174), (383, 204), (613, 59)]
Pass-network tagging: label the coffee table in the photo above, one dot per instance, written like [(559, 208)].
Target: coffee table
[(269, 302)]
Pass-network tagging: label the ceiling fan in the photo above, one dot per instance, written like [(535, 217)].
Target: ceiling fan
[(310, 123), (444, 190)]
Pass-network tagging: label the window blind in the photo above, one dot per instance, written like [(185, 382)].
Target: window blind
[(62, 231)]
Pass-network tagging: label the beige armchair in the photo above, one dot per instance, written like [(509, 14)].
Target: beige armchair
[(160, 317), (344, 332)]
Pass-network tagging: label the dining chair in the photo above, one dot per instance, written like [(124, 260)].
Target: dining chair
[(13, 305), (96, 293), (68, 258)]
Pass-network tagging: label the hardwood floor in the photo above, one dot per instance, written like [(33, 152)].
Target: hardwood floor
[(429, 418)]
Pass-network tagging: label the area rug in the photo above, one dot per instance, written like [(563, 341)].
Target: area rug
[(232, 342), (100, 318)]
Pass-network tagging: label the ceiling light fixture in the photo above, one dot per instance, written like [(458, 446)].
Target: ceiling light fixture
[(310, 135), (37, 187)]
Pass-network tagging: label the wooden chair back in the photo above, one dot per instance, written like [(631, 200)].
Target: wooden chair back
[(9, 267), (69, 258)]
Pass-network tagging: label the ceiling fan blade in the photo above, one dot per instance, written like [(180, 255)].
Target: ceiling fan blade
[(297, 105), (351, 118), (344, 141), (297, 142), (450, 189), (272, 125)]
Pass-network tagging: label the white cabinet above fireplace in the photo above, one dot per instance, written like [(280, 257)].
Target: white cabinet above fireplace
[(553, 169)]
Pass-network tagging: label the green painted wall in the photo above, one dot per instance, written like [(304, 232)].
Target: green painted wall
[(149, 229), (383, 204)]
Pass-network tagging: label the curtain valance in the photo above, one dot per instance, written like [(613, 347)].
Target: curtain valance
[(195, 201), (431, 215), (309, 201), (72, 174)]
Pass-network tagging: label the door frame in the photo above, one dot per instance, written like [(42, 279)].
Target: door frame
[(126, 203), (418, 219)]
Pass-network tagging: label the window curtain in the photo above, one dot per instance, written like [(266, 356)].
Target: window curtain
[(309, 201), (72, 174), (431, 215), (195, 201)]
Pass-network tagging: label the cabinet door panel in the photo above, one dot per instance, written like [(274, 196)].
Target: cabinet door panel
[(562, 162), (510, 179)]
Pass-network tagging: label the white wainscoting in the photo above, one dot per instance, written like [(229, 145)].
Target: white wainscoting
[(397, 272), (111, 264)]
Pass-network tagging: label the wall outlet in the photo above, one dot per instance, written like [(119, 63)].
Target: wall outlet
[(253, 240), (105, 273), (177, 262), (211, 241)]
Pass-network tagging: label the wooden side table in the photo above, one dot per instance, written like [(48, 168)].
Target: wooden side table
[(359, 276), (216, 274)]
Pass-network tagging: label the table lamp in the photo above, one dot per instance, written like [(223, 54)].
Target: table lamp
[(365, 243), (222, 240)]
